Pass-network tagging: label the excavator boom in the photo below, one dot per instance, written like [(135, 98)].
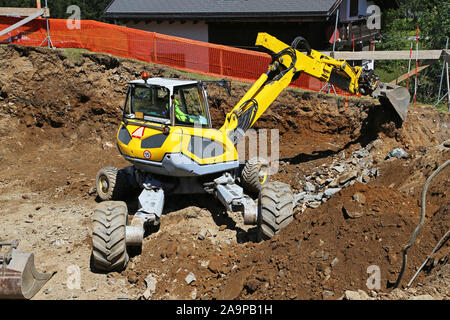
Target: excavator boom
[(288, 63)]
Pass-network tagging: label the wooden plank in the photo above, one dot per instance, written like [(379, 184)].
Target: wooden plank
[(37, 14), (22, 12), (405, 76), (385, 55)]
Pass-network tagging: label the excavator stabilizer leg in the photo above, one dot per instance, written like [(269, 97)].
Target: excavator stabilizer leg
[(19, 278), (394, 96)]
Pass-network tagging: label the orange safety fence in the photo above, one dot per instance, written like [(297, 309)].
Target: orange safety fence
[(185, 54)]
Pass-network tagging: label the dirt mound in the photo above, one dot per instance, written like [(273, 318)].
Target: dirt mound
[(59, 115)]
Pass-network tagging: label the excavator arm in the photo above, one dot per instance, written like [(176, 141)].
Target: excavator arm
[(287, 64)]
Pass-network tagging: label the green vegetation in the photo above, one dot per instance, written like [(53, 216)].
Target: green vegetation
[(74, 55), (399, 30), (90, 9)]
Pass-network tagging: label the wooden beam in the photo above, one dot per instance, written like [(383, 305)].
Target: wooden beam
[(22, 12), (385, 55), (406, 75)]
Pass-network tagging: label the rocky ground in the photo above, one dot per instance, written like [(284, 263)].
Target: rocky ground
[(355, 207)]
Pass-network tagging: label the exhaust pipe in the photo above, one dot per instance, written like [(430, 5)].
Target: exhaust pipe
[(19, 278)]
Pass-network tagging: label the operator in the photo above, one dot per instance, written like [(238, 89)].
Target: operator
[(179, 114)]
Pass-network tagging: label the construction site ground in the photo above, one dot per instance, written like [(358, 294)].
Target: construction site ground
[(58, 118)]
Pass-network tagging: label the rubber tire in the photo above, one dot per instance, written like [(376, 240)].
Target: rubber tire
[(250, 175), (109, 248), (116, 184), (275, 209)]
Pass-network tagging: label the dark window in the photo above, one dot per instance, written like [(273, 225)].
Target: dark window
[(354, 8), (151, 101)]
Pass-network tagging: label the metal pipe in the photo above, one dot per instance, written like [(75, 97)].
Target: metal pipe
[(335, 29), (422, 218)]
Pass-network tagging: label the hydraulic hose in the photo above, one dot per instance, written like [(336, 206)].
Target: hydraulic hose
[(422, 218)]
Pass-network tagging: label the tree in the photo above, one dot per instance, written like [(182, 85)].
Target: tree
[(399, 31), (90, 9)]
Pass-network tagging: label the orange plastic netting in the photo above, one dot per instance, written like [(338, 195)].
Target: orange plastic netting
[(184, 54)]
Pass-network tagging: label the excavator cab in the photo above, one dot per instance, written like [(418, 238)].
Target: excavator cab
[(169, 102)]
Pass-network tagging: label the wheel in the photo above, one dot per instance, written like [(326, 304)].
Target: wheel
[(109, 248), (275, 209), (254, 175), (110, 183)]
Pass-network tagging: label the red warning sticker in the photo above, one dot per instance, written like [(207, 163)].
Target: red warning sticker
[(147, 154), (138, 133)]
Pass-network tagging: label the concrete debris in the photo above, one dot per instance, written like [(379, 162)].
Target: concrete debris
[(190, 278), (151, 286), (398, 153), (309, 187), (331, 192)]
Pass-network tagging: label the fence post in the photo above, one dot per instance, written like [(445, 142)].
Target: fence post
[(221, 61), (155, 48)]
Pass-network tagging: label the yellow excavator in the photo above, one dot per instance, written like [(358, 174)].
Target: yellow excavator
[(167, 136)]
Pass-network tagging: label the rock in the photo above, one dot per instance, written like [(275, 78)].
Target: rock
[(212, 232), (352, 211), (92, 191), (348, 177), (107, 145), (328, 293), (190, 278), (373, 172), (299, 197), (362, 153), (339, 168), (203, 234), (309, 187), (252, 285), (334, 183), (398, 294), (398, 153), (331, 192), (363, 295), (319, 196), (446, 143), (359, 197), (313, 204), (194, 294), (151, 286), (334, 262), (356, 295), (223, 227), (309, 198), (422, 297), (351, 295)]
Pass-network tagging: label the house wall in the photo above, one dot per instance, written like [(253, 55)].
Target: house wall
[(225, 33), (344, 10), (189, 30)]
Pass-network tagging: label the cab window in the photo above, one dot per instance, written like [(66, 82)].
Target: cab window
[(150, 101), (189, 106)]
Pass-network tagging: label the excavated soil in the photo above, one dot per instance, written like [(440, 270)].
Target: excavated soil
[(59, 116)]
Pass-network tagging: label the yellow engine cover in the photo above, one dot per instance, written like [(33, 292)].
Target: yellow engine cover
[(150, 144)]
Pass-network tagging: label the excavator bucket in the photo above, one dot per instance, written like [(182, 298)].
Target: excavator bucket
[(395, 96), (19, 278)]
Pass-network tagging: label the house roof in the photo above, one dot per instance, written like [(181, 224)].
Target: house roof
[(213, 9)]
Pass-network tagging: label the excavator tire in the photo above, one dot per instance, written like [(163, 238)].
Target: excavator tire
[(110, 184), (254, 175), (109, 248), (275, 209)]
